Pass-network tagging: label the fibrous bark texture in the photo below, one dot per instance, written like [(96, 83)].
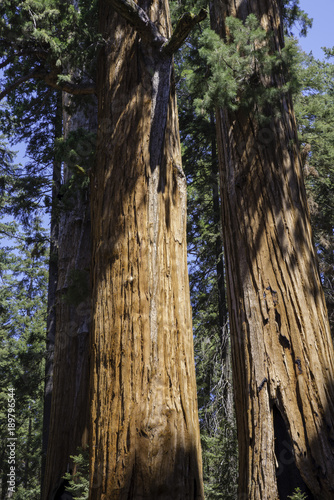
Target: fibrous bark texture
[(145, 430), (69, 421), (282, 348), (52, 291)]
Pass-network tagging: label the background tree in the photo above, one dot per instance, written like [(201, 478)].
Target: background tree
[(69, 412), (206, 272), (39, 42)]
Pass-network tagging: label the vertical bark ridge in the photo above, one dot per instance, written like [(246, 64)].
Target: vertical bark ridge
[(145, 439), (282, 350), (70, 402)]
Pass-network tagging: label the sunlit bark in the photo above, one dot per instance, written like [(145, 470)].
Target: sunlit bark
[(145, 430), (282, 348)]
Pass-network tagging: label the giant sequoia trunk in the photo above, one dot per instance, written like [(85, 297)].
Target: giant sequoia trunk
[(69, 422), (145, 431), (282, 349), (52, 292)]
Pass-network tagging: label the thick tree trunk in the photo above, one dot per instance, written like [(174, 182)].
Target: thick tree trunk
[(145, 430), (282, 350), (70, 395), (52, 290)]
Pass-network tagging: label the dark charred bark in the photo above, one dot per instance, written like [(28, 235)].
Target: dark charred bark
[(69, 423), (52, 289)]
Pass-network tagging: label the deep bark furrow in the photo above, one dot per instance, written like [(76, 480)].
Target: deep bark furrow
[(280, 335), (143, 392), (70, 406)]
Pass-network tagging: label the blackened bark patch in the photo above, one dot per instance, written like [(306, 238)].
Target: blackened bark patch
[(160, 101), (284, 341), (287, 474), (262, 384), (299, 364)]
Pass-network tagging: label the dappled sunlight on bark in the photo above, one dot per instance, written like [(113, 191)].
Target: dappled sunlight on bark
[(145, 430), (283, 360)]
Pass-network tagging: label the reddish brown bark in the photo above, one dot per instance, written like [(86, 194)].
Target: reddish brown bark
[(282, 348), (145, 431)]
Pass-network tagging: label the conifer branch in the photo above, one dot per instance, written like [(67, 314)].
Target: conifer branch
[(40, 54), (34, 74), (184, 26), (51, 80), (7, 61)]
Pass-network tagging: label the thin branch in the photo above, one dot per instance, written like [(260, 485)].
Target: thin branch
[(51, 80), (183, 28), (69, 87), (34, 74), (41, 54), (7, 61), (138, 18)]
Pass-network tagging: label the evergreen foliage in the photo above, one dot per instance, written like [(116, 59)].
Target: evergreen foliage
[(78, 480), (45, 40), (294, 15), (244, 69), (43, 45), (298, 495), (22, 347)]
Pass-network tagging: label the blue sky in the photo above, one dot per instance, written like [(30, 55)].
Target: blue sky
[(322, 32)]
